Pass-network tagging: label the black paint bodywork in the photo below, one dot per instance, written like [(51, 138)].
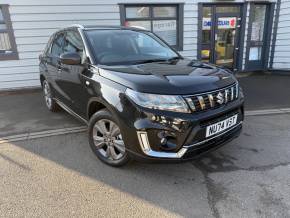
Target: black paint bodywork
[(84, 88)]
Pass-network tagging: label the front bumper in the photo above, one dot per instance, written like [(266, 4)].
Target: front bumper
[(188, 151), (144, 131)]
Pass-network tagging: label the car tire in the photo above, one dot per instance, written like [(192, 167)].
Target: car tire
[(48, 97), (106, 140)]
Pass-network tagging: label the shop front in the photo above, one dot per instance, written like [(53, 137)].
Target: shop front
[(231, 37)]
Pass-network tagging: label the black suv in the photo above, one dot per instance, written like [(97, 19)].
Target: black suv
[(139, 97)]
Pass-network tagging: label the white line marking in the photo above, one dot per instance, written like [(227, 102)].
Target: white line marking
[(41, 134), (78, 129), (267, 112)]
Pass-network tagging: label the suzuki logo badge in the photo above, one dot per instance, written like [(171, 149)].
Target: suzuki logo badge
[(220, 98)]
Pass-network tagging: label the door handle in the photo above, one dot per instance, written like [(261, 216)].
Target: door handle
[(59, 68), (58, 65)]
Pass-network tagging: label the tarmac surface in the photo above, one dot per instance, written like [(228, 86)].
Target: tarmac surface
[(265, 91), (59, 176)]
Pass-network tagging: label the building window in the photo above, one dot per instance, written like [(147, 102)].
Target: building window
[(8, 49), (164, 20)]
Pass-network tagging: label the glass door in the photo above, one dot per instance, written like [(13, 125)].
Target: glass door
[(220, 34), (225, 41), (257, 37)]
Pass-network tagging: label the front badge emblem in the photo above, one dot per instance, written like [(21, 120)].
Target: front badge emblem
[(220, 98)]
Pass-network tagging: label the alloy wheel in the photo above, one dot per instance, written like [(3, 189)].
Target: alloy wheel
[(108, 140), (47, 94)]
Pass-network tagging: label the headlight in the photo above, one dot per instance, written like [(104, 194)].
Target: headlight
[(160, 102)]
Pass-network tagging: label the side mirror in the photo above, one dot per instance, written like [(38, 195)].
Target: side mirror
[(70, 58)]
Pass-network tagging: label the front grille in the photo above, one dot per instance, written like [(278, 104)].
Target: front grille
[(214, 99)]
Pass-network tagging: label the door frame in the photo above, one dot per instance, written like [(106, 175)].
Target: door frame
[(269, 16), (239, 40)]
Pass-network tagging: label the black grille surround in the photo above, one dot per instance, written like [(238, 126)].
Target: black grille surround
[(213, 99)]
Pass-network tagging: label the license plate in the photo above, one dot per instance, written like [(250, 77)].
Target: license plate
[(221, 126)]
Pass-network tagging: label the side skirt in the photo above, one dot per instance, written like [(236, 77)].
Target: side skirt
[(70, 111)]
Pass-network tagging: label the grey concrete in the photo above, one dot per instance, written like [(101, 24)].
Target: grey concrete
[(60, 177), (265, 91), (26, 112)]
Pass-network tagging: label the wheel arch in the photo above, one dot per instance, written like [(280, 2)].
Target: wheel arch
[(94, 106)]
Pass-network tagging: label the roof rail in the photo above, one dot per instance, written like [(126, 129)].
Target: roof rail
[(77, 25)]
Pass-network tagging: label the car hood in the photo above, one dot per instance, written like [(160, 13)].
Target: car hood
[(180, 77)]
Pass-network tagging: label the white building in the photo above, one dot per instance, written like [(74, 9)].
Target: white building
[(242, 35)]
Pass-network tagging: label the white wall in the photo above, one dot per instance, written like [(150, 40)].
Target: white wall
[(282, 48), (34, 21)]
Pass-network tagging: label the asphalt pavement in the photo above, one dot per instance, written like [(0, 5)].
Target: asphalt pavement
[(265, 90), (26, 112), (59, 176)]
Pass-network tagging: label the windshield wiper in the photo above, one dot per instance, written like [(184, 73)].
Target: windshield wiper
[(174, 58), (157, 60), (150, 61)]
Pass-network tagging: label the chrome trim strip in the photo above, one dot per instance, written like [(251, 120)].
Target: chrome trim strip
[(211, 100), (206, 140), (144, 143), (70, 111), (205, 93), (237, 90), (201, 102), (191, 104), (232, 93), (226, 96)]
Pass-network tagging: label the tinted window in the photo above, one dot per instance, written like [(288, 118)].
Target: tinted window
[(126, 46), (57, 45), (73, 43)]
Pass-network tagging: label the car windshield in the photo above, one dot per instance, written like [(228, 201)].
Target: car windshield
[(122, 47)]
